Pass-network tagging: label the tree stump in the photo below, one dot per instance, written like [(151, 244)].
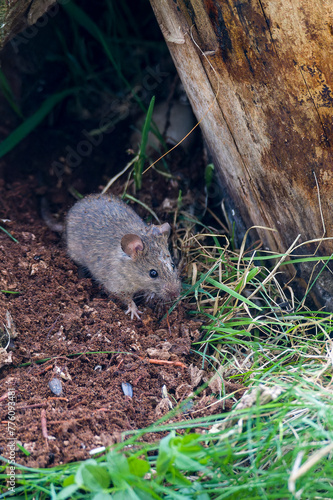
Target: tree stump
[(17, 16), (270, 127)]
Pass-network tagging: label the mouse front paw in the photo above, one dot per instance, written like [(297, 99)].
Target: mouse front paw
[(133, 310)]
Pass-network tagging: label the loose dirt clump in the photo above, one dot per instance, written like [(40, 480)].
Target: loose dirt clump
[(71, 334)]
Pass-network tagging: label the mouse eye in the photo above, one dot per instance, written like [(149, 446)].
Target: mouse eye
[(153, 273), (172, 265)]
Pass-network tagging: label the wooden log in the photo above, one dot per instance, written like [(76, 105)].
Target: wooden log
[(19, 15), (270, 128)]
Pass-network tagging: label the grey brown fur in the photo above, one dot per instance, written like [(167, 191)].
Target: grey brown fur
[(108, 238)]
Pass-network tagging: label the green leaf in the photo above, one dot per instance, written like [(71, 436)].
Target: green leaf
[(177, 478), (252, 274), (189, 441), (165, 442), (69, 480), (195, 491), (138, 467), (209, 174), (67, 492), (178, 452), (103, 496), (126, 494), (165, 454), (92, 476), (118, 468), (96, 477), (185, 462), (163, 462), (79, 473), (33, 121), (53, 492), (248, 277), (147, 492)]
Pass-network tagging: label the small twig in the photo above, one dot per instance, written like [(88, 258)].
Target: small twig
[(25, 407), (272, 273), (58, 399), (88, 417), (165, 362), (119, 364), (218, 220), (206, 112), (46, 369), (168, 323), (52, 327), (111, 181), (4, 396), (44, 426), (300, 470)]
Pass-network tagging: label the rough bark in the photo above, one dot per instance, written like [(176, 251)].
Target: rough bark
[(17, 15), (270, 128)]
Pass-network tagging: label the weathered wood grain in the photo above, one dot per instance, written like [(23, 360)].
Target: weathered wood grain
[(270, 129), (17, 15)]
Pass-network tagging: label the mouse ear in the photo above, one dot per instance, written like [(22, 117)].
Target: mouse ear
[(162, 230), (132, 244)]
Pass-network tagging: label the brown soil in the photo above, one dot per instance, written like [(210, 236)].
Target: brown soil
[(67, 328)]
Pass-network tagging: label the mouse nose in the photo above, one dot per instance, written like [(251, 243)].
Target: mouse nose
[(173, 292)]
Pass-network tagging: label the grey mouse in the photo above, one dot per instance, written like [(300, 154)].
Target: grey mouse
[(124, 254)]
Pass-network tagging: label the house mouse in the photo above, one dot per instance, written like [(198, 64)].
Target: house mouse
[(125, 255)]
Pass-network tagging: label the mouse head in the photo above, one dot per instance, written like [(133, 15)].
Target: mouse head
[(151, 267)]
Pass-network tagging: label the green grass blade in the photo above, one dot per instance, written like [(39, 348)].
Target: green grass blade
[(79, 16), (209, 174), (150, 210), (5, 230), (231, 292), (138, 165), (33, 121), (7, 92), (146, 127)]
